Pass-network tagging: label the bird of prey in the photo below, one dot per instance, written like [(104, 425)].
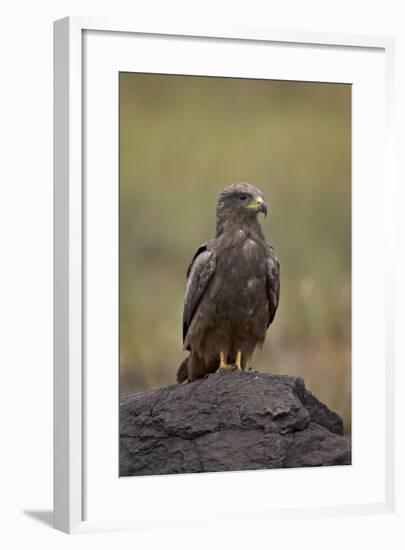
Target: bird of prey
[(233, 288)]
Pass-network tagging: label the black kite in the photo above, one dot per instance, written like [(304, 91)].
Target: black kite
[(233, 288)]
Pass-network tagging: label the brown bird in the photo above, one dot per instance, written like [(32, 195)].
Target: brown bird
[(233, 288)]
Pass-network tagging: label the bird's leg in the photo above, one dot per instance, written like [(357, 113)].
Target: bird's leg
[(223, 364), (238, 360)]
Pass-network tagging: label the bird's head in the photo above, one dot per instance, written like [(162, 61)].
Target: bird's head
[(240, 201)]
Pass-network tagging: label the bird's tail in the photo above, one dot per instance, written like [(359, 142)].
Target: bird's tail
[(182, 372)]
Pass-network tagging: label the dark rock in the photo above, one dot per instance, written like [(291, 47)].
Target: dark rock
[(229, 421)]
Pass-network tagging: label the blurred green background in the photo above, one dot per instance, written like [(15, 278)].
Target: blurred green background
[(182, 139)]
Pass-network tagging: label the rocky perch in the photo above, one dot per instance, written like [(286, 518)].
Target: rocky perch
[(229, 421)]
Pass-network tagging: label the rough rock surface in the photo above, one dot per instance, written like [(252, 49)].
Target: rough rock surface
[(229, 421)]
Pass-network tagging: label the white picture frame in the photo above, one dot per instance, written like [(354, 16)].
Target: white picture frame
[(71, 433)]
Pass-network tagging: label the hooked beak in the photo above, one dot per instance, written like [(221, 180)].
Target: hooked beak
[(259, 205), (263, 208)]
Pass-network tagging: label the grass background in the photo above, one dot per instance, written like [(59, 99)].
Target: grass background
[(182, 139)]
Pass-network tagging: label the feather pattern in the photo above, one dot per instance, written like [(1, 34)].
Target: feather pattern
[(273, 283), (200, 271)]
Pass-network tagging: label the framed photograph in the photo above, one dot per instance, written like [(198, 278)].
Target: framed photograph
[(221, 339)]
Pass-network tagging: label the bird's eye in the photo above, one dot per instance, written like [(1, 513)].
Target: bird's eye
[(242, 197)]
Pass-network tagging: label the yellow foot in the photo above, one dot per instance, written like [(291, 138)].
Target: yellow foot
[(238, 361), (223, 364)]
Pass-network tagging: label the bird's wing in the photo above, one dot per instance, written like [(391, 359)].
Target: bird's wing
[(273, 283), (199, 273)]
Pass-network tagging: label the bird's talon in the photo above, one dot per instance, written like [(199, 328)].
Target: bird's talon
[(238, 361), (223, 365), (234, 367)]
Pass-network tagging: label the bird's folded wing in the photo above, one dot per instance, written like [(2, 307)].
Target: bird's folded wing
[(273, 283), (199, 274)]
